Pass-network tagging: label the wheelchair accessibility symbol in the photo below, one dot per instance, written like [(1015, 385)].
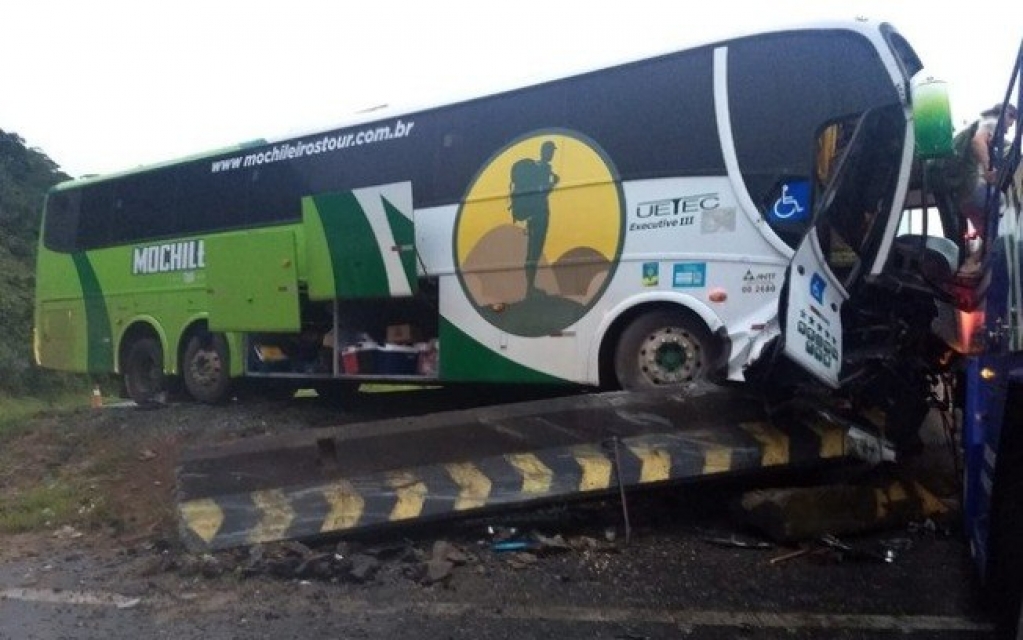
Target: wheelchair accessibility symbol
[(793, 204)]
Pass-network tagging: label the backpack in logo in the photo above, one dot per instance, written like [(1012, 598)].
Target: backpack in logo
[(525, 174)]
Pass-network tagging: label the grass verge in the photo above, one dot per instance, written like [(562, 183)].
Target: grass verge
[(16, 411), (50, 472), (44, 506)]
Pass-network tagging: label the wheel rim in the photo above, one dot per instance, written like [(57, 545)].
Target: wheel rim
[(670, 355), (144, 376), (152, 375), (206, 368)]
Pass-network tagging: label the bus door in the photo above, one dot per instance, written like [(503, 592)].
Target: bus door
[(813, 321), (360, 244), (252, 281), (849, 221)]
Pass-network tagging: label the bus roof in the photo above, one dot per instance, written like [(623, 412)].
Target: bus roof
[(861, 25)]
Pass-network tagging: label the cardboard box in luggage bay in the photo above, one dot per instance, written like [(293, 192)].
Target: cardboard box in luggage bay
[(403, 334)]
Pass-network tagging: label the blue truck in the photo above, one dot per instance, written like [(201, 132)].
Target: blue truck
[(992, 376)]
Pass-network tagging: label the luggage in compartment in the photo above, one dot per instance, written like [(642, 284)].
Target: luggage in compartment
[(428, 358), (397, 360), (368, 358), (268, 358), (359, 359)]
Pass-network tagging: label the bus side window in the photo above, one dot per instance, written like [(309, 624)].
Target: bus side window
[(97, 222)]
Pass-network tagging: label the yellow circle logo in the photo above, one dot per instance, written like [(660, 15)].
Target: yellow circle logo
[(539, 233)]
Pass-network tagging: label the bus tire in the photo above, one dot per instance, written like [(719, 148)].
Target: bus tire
[(206, 368), (662, 348), (143, 372)]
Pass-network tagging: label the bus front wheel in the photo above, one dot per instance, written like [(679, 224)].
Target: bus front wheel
[(206, 372), (143, 371), (662, 348)]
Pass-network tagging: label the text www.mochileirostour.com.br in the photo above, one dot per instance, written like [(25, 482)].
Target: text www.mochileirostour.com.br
[(315, 146)]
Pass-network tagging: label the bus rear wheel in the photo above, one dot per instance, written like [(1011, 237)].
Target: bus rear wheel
[(205, 369), (662, 348), (143, 371)]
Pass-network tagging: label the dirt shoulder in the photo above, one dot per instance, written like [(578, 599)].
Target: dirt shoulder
[(106, 476)]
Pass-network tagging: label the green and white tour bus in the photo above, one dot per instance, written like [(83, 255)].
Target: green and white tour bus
[(696, 214)]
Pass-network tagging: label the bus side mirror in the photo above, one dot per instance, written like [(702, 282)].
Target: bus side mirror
[(932, 117)]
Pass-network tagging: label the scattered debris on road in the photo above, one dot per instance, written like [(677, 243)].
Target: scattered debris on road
[(808, 513)]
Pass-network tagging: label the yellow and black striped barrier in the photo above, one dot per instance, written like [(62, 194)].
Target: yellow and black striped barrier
[(344, 503)]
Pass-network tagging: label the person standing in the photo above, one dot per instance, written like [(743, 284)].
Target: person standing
[(977, 150), (531, 184)]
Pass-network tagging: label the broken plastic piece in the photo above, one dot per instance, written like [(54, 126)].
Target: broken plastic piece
[(886, 555), (734, 542), (514, 545)]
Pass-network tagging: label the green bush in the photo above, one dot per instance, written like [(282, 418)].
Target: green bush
[(25, 176)]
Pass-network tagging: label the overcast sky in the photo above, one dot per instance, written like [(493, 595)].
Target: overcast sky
[(107, 85)]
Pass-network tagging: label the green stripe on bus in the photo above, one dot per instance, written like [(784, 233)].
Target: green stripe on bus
[(404, 234), (320, 267), (100, 350), (359, 270), (465, 359)]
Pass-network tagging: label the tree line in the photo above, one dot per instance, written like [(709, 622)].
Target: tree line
[(25, 176)]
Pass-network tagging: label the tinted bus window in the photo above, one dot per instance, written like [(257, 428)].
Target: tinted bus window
[(656, 118), (61, 221), (176, 201)]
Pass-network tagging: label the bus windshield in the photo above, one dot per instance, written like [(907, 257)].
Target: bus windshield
[(860, 191)]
